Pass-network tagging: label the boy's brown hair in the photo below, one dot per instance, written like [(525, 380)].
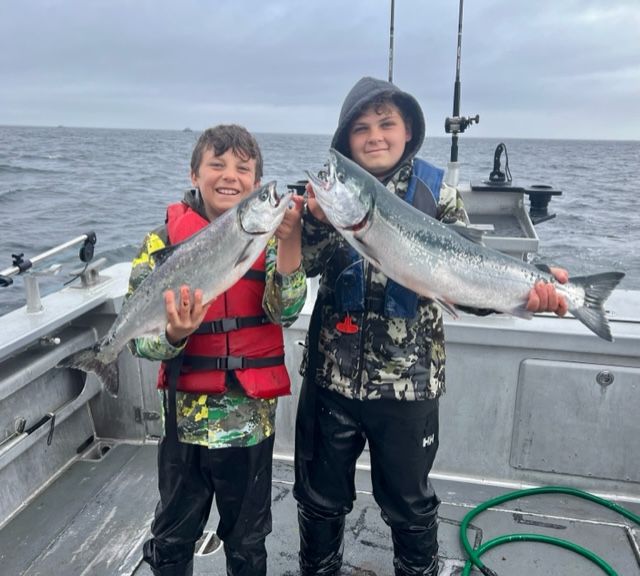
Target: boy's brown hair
[(381, 103), (227, 137)]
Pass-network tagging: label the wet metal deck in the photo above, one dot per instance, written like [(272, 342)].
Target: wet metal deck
[(93, 518)]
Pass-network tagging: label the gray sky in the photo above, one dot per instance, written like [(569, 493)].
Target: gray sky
[(530, 68)]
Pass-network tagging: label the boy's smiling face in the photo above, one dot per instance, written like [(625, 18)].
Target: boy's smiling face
[(224, 180), (377, 138)]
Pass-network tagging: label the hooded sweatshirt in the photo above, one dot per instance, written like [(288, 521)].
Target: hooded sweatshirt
[(364, 93), (399, 358)]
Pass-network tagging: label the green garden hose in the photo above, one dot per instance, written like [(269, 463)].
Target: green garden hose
[(474, 554)]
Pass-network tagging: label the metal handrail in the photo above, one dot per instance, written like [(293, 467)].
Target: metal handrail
[(21, 264)]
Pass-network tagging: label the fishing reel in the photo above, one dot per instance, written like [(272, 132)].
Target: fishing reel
[(298, 187), (458, 124), (87, 248)]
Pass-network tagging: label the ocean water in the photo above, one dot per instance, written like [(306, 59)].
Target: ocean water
[(58, 183)]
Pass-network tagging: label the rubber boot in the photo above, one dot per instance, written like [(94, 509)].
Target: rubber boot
[(161, 567), (321, 543), (181, 569), (246, 561), (416, 550), (431, 570)]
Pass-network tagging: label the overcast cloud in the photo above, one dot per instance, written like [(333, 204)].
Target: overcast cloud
[(544, 68)]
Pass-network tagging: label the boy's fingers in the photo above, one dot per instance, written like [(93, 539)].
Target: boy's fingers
[(560, 274), (552, 298), (543, 294), (170, 303), (545, 298), (197, 304), (297, 203), (185, 302), (534, 300), (563, 307), (538, 298)]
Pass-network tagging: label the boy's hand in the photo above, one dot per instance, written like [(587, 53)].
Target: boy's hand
[(314, 207), (545, 298), (184, 316), (292, 218)]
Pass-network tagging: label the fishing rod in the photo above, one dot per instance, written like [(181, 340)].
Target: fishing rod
[(391, 41), (457, 124)]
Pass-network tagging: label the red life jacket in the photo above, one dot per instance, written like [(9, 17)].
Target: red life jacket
[(234, 335)]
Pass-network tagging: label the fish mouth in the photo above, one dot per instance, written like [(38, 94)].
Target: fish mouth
[(261, 211), (275, 196), (324, 179)]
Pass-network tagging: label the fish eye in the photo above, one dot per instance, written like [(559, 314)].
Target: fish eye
[(340, 176), (264, 195)]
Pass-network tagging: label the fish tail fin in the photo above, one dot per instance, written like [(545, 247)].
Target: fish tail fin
[(597, 289), (88, 361)]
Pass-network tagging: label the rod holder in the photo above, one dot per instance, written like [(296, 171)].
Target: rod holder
[(32, 289)]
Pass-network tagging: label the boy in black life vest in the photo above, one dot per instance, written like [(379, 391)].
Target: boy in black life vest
[(374, 363), (218, 438)]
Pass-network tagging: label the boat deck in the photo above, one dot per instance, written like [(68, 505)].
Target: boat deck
[(93, 518)]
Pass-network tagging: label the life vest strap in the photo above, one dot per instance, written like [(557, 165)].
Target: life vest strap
[(229, 324), (205, 363), (258, 275)]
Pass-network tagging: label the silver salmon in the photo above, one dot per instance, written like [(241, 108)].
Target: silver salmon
[(439, 261), (213, 259)]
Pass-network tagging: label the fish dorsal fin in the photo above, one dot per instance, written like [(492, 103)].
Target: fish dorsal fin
[(472, 234)]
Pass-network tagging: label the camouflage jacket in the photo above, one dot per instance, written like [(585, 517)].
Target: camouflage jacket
[(390, 358), (231, 419)]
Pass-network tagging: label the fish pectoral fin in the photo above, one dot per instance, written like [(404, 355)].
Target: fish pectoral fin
[(370, 252), (472, 234), (521, 312), (244, 254), (448, 307)]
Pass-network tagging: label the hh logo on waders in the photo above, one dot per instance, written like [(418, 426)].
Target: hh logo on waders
[(427, 441)]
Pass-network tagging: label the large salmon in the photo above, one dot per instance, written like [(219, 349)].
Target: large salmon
[(213, 259), (435, 260)]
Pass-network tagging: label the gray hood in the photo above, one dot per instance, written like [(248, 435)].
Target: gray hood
[(360, 96)]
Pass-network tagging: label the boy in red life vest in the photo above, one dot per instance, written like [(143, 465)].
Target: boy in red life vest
[(219, 434)]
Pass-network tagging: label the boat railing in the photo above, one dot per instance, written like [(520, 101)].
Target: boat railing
[(88, 275)]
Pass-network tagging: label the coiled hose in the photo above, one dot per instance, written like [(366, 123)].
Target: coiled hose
[(474, 554)]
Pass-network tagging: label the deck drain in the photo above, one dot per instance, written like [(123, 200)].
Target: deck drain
[(98, 451), (208, 544)]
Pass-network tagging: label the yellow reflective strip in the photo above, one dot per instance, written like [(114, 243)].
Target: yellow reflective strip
[(142, 259), (154, 243)]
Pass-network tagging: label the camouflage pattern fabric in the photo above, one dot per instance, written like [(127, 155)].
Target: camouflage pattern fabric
[(390, 358), (224, 420), (232, 418)]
